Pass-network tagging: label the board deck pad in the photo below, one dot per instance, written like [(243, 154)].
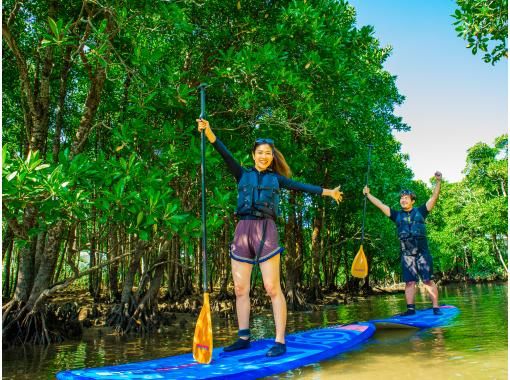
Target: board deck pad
[(423, 319), (303, 348)]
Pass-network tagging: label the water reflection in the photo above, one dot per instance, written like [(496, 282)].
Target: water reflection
[(473, 347)]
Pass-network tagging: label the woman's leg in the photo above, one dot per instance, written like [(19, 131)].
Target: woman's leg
[(271, 275), (241, 272)]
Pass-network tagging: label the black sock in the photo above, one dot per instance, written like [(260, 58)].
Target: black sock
[(410, 310), (244, 333)]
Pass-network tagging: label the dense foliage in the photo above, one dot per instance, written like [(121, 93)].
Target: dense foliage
[(484, 25), (470, 225), (101, 154)]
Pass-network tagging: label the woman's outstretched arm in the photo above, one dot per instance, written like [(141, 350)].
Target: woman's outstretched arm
[(232, 164), (287, 183)]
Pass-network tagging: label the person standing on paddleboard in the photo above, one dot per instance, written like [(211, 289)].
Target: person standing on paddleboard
[(256, 236), (415, 257)]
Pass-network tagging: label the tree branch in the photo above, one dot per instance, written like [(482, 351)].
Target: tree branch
[(64, 284), (14, 12), (22, 67)]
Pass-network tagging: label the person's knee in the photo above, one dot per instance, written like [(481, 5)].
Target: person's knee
[(242, 290), (272, 289)]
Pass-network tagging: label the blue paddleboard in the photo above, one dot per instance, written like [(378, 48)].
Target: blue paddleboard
[(423, 319), (303, 348)]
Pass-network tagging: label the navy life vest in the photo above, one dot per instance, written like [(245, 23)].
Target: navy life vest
[(410, 225), (256, 199)]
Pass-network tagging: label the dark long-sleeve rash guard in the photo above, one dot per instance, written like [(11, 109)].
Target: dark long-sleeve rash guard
[(237, 170)]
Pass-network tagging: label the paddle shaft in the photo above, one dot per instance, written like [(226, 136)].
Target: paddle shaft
[(202, 167), (365, 199)]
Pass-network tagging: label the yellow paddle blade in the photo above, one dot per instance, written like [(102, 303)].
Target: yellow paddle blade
[(203, 341), (359, 266)]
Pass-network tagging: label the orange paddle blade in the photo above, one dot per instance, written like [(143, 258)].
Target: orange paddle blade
[(359, 266), (203, 341)]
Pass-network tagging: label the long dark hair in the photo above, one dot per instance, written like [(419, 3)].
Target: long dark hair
[(279, 164)]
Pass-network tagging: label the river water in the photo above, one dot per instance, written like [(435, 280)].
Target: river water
[(475, 346)]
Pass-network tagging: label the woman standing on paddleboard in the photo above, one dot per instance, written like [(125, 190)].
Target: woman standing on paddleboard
[(256, 236)]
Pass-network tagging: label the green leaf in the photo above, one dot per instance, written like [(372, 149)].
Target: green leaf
[(178, 219), (139, 218), (54, 27), (102, 26), (143, 235), (5, 155), (29, 157), (43, 166), (12, 175)]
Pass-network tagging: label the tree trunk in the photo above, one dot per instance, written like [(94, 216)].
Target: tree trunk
[(39, 248), (97, 81), (95, 276), (26, 272), (7, 241), (314, 288), (59, 118), (113, 269), (173, 273), (187, 273), (28, 321), (121, 314), (145, 318), (60, 262), (134, 265), (47, 266), (498, 251), (328, 261), (293, 260), (7, 249)]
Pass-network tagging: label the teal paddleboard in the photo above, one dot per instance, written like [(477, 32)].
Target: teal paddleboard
[(303, 348)]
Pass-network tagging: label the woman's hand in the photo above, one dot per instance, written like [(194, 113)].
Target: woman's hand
[(335, 193), (203, 126)]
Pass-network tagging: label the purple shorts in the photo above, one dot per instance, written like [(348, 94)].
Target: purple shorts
[(247, 239)]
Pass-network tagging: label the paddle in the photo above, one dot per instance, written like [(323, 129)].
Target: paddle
[(202, 340), (359, 266)]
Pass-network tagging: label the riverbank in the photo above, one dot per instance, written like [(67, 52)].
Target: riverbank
[(182, 314)]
